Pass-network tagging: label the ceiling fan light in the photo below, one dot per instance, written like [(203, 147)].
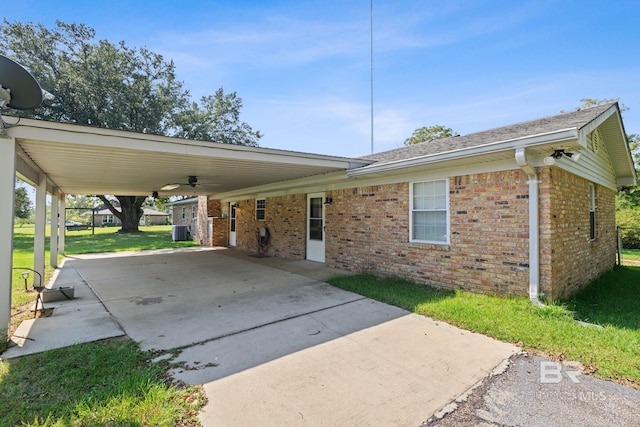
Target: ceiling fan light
[(169, 187)]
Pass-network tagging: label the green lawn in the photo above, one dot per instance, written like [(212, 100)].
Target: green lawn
[(111, 383), (631, 254), (611, 352)]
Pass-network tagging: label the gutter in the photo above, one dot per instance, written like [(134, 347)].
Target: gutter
[(534, 227), (555, 137)]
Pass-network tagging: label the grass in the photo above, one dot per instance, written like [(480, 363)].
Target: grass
[(110, 383), (631, 254), (109, 240), (611, 352)]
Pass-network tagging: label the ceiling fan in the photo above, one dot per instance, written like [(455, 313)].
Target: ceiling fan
[(192, 181)]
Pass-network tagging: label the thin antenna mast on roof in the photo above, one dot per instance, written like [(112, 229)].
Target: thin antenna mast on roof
[(371, 58)]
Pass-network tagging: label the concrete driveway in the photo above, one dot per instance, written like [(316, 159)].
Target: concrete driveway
[(274, 345)]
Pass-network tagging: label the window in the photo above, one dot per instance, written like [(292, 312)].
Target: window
[(261, 209), (107, 219), (184, 212), (592, 212), (430, 212), (193, 212)]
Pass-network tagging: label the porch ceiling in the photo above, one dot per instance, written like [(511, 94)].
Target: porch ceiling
[(87, 160)]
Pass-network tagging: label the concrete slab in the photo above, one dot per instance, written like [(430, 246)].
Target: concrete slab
[(83, 319), (200, 295), (363, 363), (271, 343)]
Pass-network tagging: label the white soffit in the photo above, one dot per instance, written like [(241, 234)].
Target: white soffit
[(86, 160)]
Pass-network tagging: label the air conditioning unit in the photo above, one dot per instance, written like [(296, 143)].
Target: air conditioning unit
[(180, 233)]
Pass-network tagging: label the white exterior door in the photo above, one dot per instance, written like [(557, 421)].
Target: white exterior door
[(232, 224), (315, 227)]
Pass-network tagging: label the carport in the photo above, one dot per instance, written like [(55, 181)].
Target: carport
[(59, 159)]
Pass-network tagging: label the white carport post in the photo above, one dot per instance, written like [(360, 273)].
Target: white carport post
[(40, 226), (7, 189), (63, 221), (55, 229)]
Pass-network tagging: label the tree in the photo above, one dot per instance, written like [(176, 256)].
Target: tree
[(113, 86), (216, 119), (22, 203), (429, 133)]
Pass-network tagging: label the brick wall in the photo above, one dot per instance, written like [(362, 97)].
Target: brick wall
[(368, 230), (286, 220), (220, 235), (188, 219), (572, 259)]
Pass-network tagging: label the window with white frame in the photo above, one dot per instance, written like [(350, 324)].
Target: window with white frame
[(261, 209), (193, 212), (430, 211), (184, 212), (592, 212), (107, 219)]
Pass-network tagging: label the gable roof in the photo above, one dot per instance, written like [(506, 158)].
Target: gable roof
[(145, 212), (573, 120), (566, 130)]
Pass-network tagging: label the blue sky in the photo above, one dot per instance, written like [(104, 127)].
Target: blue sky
[(302, 68)]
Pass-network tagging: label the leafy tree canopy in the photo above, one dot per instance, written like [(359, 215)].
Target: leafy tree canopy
[(22, 203), (98, 83), (428, 133)]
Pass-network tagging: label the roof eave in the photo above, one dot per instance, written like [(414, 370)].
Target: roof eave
[(560, 136)]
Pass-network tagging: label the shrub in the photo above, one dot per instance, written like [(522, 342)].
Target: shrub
[(629, 222)]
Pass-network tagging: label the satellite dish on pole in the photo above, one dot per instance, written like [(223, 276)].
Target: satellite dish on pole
[(18, 88)]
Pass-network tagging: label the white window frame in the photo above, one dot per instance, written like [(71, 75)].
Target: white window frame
[(446, 210), (184, 212), (262, 209), (107, 219), (193, 212)]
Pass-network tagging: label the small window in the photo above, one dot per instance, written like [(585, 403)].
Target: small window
[(261, 209), (193, 212), (184, 212), (592, 212), (107, 219), (430, 212)]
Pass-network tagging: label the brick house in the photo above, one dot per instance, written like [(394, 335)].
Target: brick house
[(185, 212), (525, 209), (103, 217)]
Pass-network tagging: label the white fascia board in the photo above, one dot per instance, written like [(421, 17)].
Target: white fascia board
[(295, 186), (89, 136), (26, 169), (189, 201), (592, 125), (494, 147)]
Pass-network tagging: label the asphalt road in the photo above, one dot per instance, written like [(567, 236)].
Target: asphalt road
[(534, 391)]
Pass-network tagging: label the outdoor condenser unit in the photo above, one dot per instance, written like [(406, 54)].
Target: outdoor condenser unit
[(180, 233)]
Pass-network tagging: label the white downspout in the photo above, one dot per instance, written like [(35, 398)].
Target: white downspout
[(534, 227)]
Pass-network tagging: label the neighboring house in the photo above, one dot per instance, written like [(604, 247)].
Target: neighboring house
[(505, 211), (103, 217), (185, 212)]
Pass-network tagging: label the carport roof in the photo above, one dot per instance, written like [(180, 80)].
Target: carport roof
[(88, 160)]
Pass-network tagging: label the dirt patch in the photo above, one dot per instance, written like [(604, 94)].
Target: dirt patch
[(147, 300), (25, 312)]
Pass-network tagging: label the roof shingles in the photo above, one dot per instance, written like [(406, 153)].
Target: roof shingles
[(572, 120)]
